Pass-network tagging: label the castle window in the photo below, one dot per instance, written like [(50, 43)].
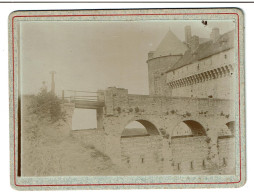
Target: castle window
[(178, 166), (224, 162), (198, 67), (142, 160), (225, 56), (203, 164)]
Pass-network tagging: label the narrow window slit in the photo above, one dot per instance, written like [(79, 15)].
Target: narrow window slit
[(191, 165), (178, 166), (224, 162), (203, 164)]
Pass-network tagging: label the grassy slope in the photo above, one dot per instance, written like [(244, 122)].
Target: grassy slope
[(49, 150)]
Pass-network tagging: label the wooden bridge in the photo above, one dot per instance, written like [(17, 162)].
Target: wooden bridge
[(83, 99)]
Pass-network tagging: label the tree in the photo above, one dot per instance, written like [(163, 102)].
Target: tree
[(46, 105)]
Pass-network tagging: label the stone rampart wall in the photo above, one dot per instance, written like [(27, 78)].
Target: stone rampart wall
[(226, 149), (189, 154), (142, 155)]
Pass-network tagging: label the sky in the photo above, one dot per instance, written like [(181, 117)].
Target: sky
[(96, 55), (89, 56)]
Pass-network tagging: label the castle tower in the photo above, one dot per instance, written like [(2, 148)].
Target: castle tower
[(169, 51)]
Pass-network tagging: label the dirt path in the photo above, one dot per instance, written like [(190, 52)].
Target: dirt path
[(49, 150)]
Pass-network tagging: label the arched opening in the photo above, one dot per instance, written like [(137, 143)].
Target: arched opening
[(189, 128), (141, 148), (189, 148), (84, 119), (139, 128), (231, 127)]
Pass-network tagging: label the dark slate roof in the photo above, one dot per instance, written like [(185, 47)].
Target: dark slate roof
[(206, 49)]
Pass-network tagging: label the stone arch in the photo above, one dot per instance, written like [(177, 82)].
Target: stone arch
[(197, 128), (231, 127), (152, 124), (226, 128), (149, 126)]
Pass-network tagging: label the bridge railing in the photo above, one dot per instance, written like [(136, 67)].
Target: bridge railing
[(74, 95)]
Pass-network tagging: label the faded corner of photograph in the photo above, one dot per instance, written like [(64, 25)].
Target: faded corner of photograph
[(127, 98)]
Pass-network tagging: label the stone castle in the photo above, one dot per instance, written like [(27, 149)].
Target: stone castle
[(190, 83), (198, 67)]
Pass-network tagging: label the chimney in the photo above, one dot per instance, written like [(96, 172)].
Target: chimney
[(187, 34), (215, 34), (194, 43), (150, 55)]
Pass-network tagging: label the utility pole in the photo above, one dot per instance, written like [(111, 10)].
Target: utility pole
[(53, 81)]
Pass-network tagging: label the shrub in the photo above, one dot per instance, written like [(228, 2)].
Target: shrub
[(208, 140), (46, 105), (137, 109), (118, 109)]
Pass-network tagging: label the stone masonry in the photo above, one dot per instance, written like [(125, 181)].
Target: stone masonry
[(160, 115), (191, 83)]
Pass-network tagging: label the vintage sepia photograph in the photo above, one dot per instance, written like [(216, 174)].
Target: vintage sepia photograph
[(127, 97), (131, 98)]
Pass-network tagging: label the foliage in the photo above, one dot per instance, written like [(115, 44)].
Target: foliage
[(118, 109), (137, 109), (46, 105)]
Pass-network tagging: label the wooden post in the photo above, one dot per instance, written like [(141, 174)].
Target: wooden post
[(53, 81)]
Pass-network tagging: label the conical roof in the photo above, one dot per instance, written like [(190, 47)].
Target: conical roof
[(170, 45)]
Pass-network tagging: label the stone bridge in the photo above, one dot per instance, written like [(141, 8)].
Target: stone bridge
[(209, 120)]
